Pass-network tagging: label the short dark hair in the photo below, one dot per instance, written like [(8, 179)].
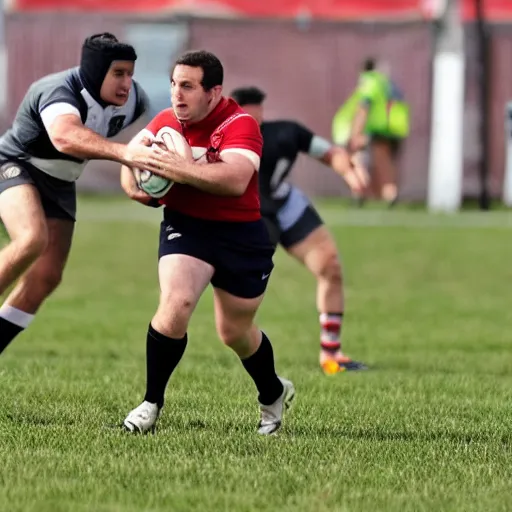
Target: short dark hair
[(213, 72), (369, 64), (248, 95)]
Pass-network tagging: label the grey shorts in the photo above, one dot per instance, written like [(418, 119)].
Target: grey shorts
[(294, 221), (58, 197)]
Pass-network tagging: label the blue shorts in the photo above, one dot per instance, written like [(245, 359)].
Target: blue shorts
[(240, 252)]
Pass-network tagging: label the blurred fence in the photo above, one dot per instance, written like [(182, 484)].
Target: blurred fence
[(308, 68)]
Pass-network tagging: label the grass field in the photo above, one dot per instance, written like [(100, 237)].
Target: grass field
[(428, 428)]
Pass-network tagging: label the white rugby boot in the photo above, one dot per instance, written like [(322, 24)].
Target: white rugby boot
[(142, 419), (272, 415)]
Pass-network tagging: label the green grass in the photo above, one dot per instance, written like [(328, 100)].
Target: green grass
[(428, 428)]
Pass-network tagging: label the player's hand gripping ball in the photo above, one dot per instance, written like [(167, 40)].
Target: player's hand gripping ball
[(170, 140)]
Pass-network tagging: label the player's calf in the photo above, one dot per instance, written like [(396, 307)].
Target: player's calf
[(234, 318), (15, 258), (329, 274), (163, 355), (36, 285), (239, 334), (274, 393), (255, 351)]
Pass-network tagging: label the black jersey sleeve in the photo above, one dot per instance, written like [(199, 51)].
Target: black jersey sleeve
[(304, 137)]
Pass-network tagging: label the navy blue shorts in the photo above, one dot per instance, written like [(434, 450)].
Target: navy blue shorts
[(240, 252)]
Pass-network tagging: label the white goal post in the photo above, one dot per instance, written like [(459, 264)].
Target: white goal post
[(448, 85)]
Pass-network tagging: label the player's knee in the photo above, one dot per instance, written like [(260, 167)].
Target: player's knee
[(31, 244), (173, 315), (331, 268)]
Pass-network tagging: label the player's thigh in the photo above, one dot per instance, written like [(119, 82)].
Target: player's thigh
[(183, 278), (242, 269), (21, 208), (185, 268), (317, 251)]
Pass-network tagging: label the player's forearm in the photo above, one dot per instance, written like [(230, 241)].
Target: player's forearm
[(83, 143), (217, 178), (338, 159)]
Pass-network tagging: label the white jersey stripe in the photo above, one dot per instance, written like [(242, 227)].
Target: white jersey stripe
[(251, 155), (50, 113)]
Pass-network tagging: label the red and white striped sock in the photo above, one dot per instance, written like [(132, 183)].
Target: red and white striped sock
[(330, 335)]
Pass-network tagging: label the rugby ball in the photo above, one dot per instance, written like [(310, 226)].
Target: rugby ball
[(172, 140)]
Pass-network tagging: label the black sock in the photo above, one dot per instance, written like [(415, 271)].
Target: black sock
[(162, 356), (8, 331), (260, 366)]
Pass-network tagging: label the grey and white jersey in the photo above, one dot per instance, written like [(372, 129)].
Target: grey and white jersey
[(54, 95)]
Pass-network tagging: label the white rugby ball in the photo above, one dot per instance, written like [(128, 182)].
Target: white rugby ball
[(154, 185)]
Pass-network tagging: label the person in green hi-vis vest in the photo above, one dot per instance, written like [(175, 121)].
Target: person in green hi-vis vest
[(376, 118)]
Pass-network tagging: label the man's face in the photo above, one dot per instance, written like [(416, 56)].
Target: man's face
[(190, 101), (255, 111), (117, 82)]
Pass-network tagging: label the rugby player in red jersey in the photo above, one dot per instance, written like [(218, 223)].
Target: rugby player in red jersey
[(212, 232)]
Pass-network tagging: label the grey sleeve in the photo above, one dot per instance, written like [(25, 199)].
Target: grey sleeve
[(59, 94)]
